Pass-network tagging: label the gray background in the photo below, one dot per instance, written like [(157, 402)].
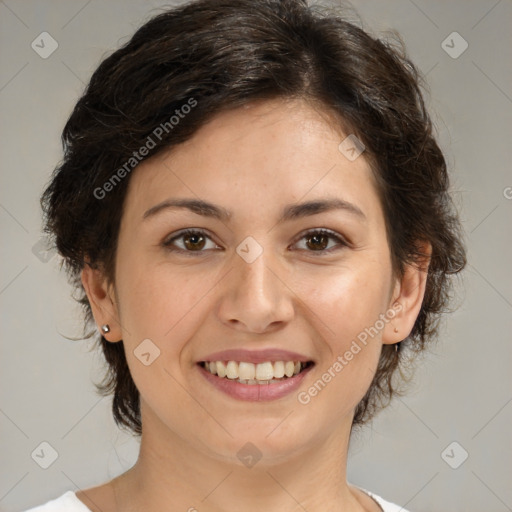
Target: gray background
[(462, 390)]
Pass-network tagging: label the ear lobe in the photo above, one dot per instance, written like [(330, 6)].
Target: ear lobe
[(407, 299), (102, 300)]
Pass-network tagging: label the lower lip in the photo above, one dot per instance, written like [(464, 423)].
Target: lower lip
[(255, 392)]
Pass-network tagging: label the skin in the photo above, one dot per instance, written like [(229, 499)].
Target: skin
[(252, 161)]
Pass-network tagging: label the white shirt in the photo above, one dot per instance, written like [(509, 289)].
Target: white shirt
[(68, 502)]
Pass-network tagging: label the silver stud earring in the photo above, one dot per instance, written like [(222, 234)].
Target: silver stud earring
[(105, 328)]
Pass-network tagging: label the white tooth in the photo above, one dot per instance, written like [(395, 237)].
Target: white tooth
[(278, 369), (289, 368), (252, 381), (221, 369), (246, 371), (213, 367), (264, 371), (296, 368), (232, 370)]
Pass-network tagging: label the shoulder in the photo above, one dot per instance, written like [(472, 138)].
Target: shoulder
[(386, 506), (68, 502)]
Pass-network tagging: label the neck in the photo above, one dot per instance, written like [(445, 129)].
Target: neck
[(175, 472)]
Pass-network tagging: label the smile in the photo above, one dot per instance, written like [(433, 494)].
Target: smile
[(255, 381), (250, 373)]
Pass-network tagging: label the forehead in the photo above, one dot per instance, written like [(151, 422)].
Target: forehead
[(266, 153)]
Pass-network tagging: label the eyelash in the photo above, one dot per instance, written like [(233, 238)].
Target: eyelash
[(191, 232)]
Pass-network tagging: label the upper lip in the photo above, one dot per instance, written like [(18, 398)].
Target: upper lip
[(256, 356)]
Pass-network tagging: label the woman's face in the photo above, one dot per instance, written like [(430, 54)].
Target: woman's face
[(255, 278)]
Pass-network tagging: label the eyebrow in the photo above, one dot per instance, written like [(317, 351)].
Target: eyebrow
[(290, 211)]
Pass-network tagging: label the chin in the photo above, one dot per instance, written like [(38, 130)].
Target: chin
[(266, 440)]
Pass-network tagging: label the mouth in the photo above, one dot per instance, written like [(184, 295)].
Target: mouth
[(252, 374), (264, 381)]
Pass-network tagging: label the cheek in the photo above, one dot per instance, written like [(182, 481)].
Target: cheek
[(346, 301), (347, 308), (156, 299), (160, 305)]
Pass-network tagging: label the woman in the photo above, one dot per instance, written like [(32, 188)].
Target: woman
[(256, 212)]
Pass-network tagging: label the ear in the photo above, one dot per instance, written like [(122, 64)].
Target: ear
[(407, 298), (102, 300)]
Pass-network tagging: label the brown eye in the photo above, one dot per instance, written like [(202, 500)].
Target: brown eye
[(194, 241), (190, 241), (321, 241), (317, 241)]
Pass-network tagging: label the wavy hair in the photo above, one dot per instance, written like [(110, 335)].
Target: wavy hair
[(225, 54)]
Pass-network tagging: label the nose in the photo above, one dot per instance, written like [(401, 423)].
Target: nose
[(254, 297)]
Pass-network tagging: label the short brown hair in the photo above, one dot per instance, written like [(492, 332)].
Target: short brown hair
[(224, 54)]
